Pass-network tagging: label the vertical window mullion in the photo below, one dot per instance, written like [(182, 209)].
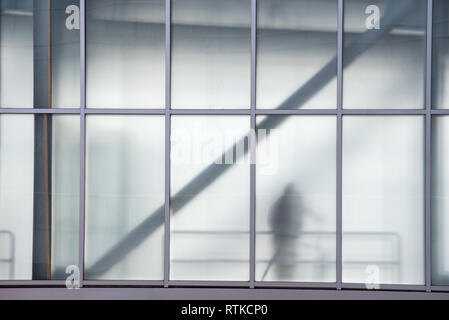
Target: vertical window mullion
[(428, 146), (167, 139), (339, 142), (82, 138), (252, 145)]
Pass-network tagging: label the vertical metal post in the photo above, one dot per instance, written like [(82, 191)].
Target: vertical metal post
[(252, 146), (167, 140), (428, 142), (339, 231), (82, 138)]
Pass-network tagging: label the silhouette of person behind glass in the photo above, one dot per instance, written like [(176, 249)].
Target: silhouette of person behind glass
[(286, 221)]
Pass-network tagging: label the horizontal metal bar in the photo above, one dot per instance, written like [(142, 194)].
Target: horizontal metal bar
[(299, 285), (125, 111), (227, 111), (125, 283), (440, 288), (31, 283), (222, 284), (38, 111), (383, 111), (187, 283), (440, 111), (210, 111), (295, 111), (86, 293), (386, 286)]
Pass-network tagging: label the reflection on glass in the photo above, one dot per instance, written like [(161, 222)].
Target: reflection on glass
[(209, 198), (39, 196), (440, 201), (124, 191), (295, 198), (39, 49), (440, 51), (211, 53), (296, 40), (125, 53), (384, 62), (383, 199), (65, 54)]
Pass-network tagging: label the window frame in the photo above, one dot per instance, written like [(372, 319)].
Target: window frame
[(214, 289)]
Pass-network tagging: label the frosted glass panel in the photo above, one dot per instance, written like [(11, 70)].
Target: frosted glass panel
[(16, 195), (125, 54), (211, 54), (440, 201), (383, 199), (124, 189), (16, 52), (440, 51), (296, 41), (295, 198), (39, 196), (384, 62), (66, 189), (209, 198), (39, 49), (65, 54)]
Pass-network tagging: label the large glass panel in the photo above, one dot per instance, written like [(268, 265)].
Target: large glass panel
[(39, 196), (383, 199), (384, 54), (296, 198), (440, 58), (39, 50), (125, 53), (124, 197), (209, 198), (65, 54), (16, 52), (440, 201), (296, 54), (211, 53)]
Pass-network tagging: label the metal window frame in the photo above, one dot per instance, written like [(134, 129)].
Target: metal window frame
[(339, 134), (252, 289)]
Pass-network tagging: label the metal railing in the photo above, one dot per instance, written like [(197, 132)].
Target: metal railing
[(391, 239)]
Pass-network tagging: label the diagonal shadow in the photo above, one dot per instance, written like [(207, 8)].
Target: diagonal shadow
[(396, 11)]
